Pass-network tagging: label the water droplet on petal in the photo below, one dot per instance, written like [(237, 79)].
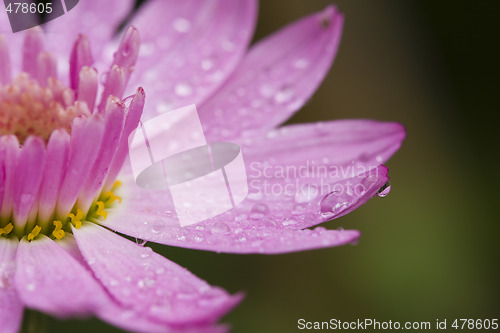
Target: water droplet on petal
[(333, 204), (384, 190), (220, 228), (183, 89), (181, 25), (284, 95), (258, 211), (301, 63)]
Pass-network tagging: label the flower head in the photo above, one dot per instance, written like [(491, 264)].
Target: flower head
[(64, 124)]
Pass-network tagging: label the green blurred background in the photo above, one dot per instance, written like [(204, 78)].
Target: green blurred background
[(430, 249)]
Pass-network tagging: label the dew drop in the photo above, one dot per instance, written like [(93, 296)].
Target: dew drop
[(259, 211), (181, 25), (284, 95), (301, 63), (384, 190), (158, 226), (207, 64), (220, 228), (333, 204), (183, 89)]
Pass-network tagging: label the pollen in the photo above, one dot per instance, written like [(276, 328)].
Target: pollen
[(100, 210), (26, 108), (6, 230), (36, 230), (76, 220), (58, 232), (111, 197)]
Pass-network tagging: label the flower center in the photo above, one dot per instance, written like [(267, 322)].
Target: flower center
[(26, 108), (58, 228)]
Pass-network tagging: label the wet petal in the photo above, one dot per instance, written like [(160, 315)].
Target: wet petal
[(113, 129), (98, 20), (27, 179), (53, 173), (11, 308), (275, 78), (86, 136), (298, 176), (50, 280), (145, 281), (189, 48), (9, 153)]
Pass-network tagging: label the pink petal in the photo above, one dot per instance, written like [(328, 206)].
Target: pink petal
[(145, 281), (270, 221), (50, 280), (81, 56), (98, 20), (86, 135), (9, 152), (113, 129), (5, 67), (134, 112), (53, 172), (189, 48), (11, 308), (276, 77), (122, 67), (32, 47), (27, 179)]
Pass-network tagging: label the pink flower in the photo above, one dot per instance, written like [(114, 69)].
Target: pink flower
[(63, 144)]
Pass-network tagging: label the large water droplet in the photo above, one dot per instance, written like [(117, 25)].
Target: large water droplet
[(333, 204), (384, 190), (259, 211)]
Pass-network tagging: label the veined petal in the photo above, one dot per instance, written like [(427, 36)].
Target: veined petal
[(5, 67), (145, 281), (11, 308), (275, 78), (98, 20), (134, 112), (50, 280), (27, 179), (53, 173), (9, 152), (113, 129), (298, 176), (86, 137), (189, 48)]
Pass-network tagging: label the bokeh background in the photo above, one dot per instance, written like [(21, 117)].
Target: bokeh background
[(430, 250)]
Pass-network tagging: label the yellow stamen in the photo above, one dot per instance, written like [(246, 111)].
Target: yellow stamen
[(76, 220), (36, 230), (116, 184), (58, 232), (100, 210), (111, 197), (7, 229)]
